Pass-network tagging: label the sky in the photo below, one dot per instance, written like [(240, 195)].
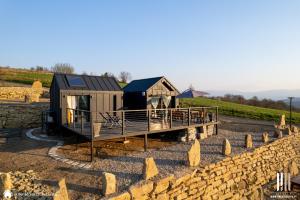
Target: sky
[(213, 45)]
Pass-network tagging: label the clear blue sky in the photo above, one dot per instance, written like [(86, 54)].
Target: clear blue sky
[(219, 45)]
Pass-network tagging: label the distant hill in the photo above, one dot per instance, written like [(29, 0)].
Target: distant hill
[(268, 94), (295, 102)]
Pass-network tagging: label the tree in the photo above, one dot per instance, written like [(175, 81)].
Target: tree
[(191, 87), (124, 77), (63, 68), (108, 74)]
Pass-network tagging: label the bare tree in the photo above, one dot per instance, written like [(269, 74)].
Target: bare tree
[(63, 68), (125, 77), (191, 87)]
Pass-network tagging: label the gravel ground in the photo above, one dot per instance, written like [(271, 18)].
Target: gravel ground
[(86, 184)]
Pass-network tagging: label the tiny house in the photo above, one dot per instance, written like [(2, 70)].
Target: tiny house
[(82, 92), (150, 93)]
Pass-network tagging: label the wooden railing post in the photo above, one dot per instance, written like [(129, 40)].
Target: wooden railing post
[(73, 116), (171, 118), (217, 119), (149, 120), (189, 116), (92, 136), (81, 117), (123, 122)]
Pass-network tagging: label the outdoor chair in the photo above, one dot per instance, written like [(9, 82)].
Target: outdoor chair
[(116, 119), (109, 122)]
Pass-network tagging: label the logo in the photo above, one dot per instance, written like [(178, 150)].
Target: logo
[(7, 194), (283, 182)]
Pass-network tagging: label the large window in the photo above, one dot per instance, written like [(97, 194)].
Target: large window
[(75, 81)]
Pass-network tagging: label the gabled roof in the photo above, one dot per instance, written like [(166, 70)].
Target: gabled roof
[(141, 85), (189, 93), (96, 83)]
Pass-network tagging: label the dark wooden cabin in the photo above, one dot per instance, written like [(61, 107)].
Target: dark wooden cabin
[(83, 92), (150, 92)]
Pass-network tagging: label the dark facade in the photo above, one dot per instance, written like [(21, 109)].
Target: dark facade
[(93, 93), (148, 93)]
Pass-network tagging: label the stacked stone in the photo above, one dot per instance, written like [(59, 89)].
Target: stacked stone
[(21, 115), (236, 177), (19, 93)]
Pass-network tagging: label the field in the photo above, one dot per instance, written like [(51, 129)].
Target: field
[(239, 110), (28, 76), (25, 76)]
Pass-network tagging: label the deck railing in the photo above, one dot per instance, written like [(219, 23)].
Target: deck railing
[(126, 122)]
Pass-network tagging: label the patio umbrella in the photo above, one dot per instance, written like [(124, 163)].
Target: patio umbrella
[(190, 93)]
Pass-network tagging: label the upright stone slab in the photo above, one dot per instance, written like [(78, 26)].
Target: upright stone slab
[(5, 183), (149, 169), (265, 137), (281, 124), (109, 183), (293, 168), (193, 155), (226, 150), (294, 129), (248, 141), (62, 193), (37, 85), (278, 133)]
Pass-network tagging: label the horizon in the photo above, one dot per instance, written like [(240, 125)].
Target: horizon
[(238, 46)]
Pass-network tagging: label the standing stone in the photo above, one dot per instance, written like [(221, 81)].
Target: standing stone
[(281, 124), (37, 85), (194, 155), (293, 168), (109, 183), (149, 169), (278, 133), (62, 193), (248, 141), (294, 129), (265, 137), (5, 183), (226, 148)]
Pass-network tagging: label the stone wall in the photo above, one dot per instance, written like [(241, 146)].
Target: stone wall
[(235, 177), (18, 93), (21, 115)]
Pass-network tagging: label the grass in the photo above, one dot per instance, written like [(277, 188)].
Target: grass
[(28, 76), (239, 110)]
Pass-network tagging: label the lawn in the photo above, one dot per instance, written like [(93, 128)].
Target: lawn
[(239, 110)]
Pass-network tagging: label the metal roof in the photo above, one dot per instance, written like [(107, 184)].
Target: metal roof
[(96, 83), (141, 85), (189, 93)]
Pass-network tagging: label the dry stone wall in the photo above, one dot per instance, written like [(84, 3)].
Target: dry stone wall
[(18, 93), (21, 115), (235, 177)]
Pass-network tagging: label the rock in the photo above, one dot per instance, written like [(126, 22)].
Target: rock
[(226, 150), (62, 192), (123, 196), (37, 85), (282, 122), (193, 154), (287, 131), (295, 129), (265, 137), (109, 183), (5, 183), (248, 141), (149, 169), (293, 168)]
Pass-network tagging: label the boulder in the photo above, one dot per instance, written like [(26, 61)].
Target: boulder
[(109, 183), (226, 150), (149, 169), (282, 122), (293, 168), (248, 141), (62, 192), (5, 183), (294, 129), (278, 133), (265, 137), (193, 154), (37, 85)]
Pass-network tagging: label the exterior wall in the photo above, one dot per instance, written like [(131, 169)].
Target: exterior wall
[(134, 101), (99, 102), (236, 177), (18, 93), (21, 115)]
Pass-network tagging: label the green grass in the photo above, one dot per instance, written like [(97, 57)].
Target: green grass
[(28, 77), (239, 110)]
